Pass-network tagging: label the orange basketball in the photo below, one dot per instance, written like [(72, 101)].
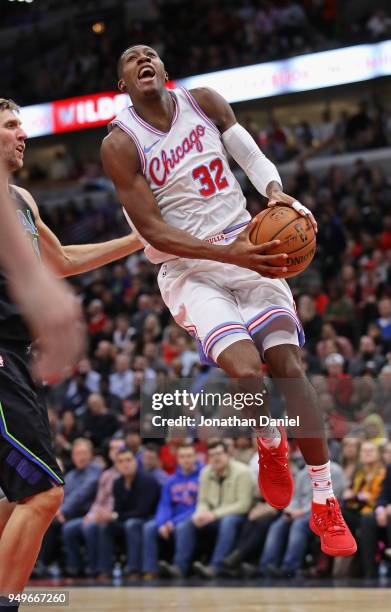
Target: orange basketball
[(296, 233)]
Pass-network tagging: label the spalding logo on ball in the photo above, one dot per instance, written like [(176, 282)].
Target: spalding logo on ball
[(297, 235)]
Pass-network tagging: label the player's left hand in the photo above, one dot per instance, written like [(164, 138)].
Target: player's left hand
[(279, 197)]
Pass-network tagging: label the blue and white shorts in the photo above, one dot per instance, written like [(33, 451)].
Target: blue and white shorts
[(219, 304)]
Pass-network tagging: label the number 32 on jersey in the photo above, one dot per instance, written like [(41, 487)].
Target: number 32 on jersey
[(210, 177)]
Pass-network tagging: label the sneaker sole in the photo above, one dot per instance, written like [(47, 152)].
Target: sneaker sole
[(332, 552), (271, 502)]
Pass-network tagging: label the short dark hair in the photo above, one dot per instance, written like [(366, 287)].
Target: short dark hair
[(124, 451), (119, 62), (154, 448), (216, 443)]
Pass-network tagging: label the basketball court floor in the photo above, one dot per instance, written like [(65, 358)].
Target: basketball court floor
[(213, 598)]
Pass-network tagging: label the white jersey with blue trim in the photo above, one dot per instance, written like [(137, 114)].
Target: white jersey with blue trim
[(188, 172)]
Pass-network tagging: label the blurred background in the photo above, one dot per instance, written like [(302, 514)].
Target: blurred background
[(325, 120)]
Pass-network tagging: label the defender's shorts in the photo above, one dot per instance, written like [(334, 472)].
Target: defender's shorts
[(27, 460), (220, 304)]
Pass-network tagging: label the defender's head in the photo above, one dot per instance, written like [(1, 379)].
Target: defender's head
[(12, 136), (141, 72)]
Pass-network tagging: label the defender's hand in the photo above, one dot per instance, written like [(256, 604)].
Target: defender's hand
[(242, 252), (279, 197)]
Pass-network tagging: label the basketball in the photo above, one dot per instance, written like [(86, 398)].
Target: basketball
[(296, 233)]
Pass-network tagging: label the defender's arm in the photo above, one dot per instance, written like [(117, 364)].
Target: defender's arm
[(78, 258)]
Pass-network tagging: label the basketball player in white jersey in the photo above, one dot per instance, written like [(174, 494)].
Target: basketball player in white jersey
[(167, 156)]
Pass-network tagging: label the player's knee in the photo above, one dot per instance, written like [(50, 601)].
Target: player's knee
[(48, 502), (286, 366), (244, 367)]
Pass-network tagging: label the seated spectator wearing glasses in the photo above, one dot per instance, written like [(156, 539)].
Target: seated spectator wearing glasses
[(85, 530), (288, 536), (224, 499), (176, 506), (376, 526), (136, 496)]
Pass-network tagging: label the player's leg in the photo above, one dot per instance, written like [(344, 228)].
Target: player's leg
[(285, 365), (242, 362), (22, 538), (6, 509), (28, 472)]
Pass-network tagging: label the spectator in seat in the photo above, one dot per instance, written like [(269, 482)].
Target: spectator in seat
[(343, 345), (339, 384), (67, 431), (384, 320), (374, 429), (288, 536), (151, 464), (98, 423), (177, 504), (367, 356), (350, 453), (225, 497), (79, 493), (386, 454), (121, 380), (136, 496), (361, 498), (85, 530), (133, 443), (375, 526)]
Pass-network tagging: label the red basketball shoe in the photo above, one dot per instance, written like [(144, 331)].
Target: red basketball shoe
[(328, 523), (274, 476)]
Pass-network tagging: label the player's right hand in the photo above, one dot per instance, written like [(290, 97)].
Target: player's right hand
[(242, 252)]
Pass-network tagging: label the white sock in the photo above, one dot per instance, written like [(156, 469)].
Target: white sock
[(322, 488), (270, 436)]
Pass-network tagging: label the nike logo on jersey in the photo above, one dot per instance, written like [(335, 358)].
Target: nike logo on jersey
[(319, 470), (148, 149)]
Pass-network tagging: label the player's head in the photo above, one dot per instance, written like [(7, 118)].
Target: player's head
[(141, 72), (12, 135)]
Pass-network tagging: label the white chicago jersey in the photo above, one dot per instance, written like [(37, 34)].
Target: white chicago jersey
[(187, 170)]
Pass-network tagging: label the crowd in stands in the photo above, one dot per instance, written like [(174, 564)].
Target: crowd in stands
[(200, 510), (58, 53), (366, 126)]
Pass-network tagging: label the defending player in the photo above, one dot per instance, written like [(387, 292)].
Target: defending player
[(167, 156), (28, 469)]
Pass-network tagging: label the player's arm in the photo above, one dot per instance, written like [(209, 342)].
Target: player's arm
[(78, 258), (242, 147), (121, 164), (47, 304)]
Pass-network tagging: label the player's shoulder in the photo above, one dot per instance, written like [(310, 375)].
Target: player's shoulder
[(118, 147), (26, 195), (117, 140), (203, 94), (214, 106)]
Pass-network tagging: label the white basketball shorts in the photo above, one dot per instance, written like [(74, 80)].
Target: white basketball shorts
[(219, 304)]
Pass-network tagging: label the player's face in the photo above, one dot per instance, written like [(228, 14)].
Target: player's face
[(12, 140), (143, 72)]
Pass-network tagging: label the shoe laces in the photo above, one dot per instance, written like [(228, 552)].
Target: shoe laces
[(330, 518), (277, 463)]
